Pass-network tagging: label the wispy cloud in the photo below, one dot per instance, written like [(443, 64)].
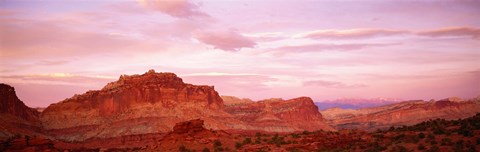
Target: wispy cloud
[(175, 8), (324, 47), (58, 78), (266, 37), (331, 84), (452, 32), (349, 33), (225, 40)]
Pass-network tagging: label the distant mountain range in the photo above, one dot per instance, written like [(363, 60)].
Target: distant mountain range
[(355, 103), (402, 113)]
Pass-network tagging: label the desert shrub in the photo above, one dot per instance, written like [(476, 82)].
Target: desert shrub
[(459, 145), (182, 148), (293, 150), (421, 147), (392, 128), (217, 146), (375, 147), (238, 145), (433, 142), (306, 132), (399, 149), (247, 141), (399, 137), (294, 135), (471, 148), (258, 141), (446, 141), (433, 149), (27, 140), (217, 143), (478, 140), (421, 135), (431, 137), (206, 149)]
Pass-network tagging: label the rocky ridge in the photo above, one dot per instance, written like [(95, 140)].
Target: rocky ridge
[(399, 114), (138, 104), (15, 116), (155, 102), (280, 115)]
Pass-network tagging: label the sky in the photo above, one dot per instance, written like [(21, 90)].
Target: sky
[(51, 50)]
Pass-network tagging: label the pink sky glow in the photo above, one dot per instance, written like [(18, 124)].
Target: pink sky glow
[(51, 50)]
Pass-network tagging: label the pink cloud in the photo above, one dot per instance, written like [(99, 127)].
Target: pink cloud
[(225, 40), (266, 37), (452, 31), (324, 47), (350, 33), (331, 84), (58, 78), (24, 39), (175, 8)]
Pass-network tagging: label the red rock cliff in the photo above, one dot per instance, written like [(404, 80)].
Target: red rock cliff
[(404, 113), (280, 115), (137, 104), (10, 104)]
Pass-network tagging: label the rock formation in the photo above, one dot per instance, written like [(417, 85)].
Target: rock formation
[(404, 113), (138, 104), (189, 126), (15, 116), (231, 100), (280, 115), (10, 104), (155, 102)]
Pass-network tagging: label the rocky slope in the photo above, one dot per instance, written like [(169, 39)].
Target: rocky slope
[(12, 105), (404, 113), (232, 100), (280, 115), (15, 116), (138, 104)]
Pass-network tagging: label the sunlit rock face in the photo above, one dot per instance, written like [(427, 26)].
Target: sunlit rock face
[(155, 102), (404, 113), (137, 104), (278, 115)]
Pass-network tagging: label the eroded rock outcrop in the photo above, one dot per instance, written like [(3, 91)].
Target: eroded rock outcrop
[(15, 117), (10, 104), (155, 102), (280, 115), (138, 104), (404, 113), (189, 126)]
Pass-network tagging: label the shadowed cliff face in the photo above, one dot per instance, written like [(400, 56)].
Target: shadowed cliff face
[(10, 104), (404, 113), (15, 116)]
